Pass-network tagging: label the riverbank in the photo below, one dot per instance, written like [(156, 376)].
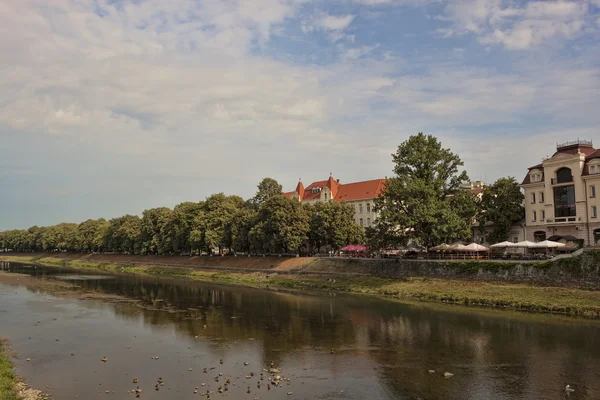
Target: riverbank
[(11, 388), (312, 277)]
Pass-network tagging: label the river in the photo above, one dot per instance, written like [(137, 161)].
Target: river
[(329, 347)]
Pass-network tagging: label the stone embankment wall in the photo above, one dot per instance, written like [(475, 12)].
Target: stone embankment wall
[(582, 271)]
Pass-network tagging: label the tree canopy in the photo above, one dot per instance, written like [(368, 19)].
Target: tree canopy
[(422, 202), (501, 206)]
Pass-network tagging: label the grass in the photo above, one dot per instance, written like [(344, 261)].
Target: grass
[(477, 293), (8, 379)]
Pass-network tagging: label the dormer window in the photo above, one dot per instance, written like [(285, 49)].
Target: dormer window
[(594, 166), (535, 176)]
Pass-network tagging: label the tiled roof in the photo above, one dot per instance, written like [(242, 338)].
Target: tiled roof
[(287, 194), (340, 192), (595, 154), (360, 190), (308, 193)]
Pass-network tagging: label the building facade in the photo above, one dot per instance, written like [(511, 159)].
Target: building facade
[(361, 195), (560, 194)]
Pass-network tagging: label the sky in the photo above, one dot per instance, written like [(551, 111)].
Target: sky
[(110, 107)]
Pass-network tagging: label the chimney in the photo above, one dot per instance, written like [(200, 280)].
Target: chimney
[(337, 180)]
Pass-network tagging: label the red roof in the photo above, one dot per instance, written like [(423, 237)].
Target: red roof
[(360, 190), (287, 194), (340, 192)]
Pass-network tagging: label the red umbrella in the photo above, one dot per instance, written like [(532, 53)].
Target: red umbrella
[(360, 247), (350, 247)]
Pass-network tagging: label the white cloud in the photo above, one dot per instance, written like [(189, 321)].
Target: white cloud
[(334, 25), (169, 102), (333, 22), (517, 27)]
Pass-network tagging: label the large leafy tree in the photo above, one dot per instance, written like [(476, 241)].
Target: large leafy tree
[(124, 234), (267, 188), (332, 224), (90, 235), (283, 225), (158, 231), (417, 203), (185, 215), (500, 207), (212, 228)]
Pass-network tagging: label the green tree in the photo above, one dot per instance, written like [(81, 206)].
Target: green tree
[(416, 204), (500, 207), (90, 235), (185, 215), (283, 225), (267, 188), (332, 224), (158, 231)]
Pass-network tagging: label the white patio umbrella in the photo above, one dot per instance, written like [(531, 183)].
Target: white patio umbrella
[(547, 244), (474, 247), (503, 245), (526, 244)]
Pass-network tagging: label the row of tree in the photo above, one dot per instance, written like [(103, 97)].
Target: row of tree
[(267, 223), (422, 204)]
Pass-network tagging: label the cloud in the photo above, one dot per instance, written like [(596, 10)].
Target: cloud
[(516, 27), (334, 25), (113, 107)]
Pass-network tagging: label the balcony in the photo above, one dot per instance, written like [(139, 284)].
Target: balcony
[(555, 181), (563, 220)]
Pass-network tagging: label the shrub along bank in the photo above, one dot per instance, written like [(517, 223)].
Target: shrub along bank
[(565, 287)]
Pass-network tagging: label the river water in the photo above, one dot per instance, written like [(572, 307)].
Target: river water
[(329, 347)]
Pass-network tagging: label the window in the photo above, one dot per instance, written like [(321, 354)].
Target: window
[(360, 209), (515, 239), (368, 221), (564, 201), (541, 197), (361, 222), (539, 236), (564, 175), (532, 198), (592, 191), (325, 196), (593, 169), (542, 215), (534, 217), (368, 207), (594, 212)]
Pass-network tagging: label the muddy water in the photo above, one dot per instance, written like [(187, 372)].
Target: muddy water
[(381, 349)]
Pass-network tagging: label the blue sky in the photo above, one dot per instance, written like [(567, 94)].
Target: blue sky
[(110, 107)]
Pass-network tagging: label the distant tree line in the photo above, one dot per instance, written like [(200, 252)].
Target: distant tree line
[(267, 223), (422, 203)]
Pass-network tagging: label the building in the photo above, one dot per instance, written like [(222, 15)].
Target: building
[(361, 195), (516, 234), (560, 194)]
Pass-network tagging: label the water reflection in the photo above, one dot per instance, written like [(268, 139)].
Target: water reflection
[(381, 349)]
